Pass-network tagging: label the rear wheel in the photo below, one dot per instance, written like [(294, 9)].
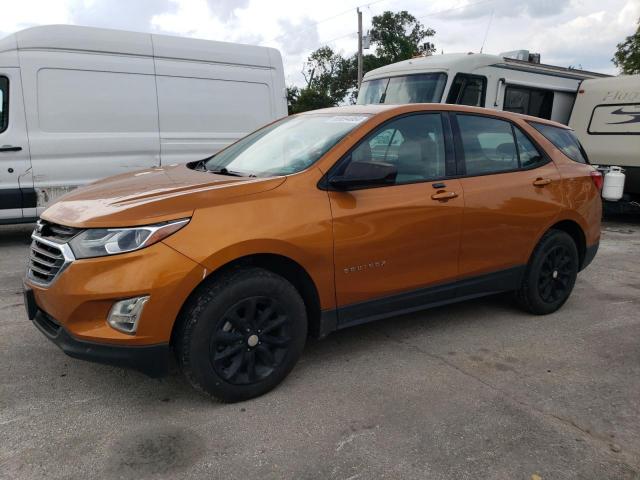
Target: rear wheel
[(242, 334), (550, 275)]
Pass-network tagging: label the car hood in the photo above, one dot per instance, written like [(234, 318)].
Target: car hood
[(150, 196)]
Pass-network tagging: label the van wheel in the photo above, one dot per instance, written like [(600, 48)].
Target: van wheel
[(242, 334), (550, 275)]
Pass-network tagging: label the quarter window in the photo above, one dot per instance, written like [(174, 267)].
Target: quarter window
[(468, 90), (414, 144), (491, 145), (564, 140), (528, 101), (4, 103)]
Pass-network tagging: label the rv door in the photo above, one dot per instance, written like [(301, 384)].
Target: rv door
[(16, 187)]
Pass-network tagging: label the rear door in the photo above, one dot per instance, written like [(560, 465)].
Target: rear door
[(16, 189), (512, 192)]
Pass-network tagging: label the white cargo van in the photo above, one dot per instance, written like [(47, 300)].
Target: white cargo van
[(78, 104), (513, 81), (606, 119)]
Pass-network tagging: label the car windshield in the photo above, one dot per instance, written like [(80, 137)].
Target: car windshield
[(419, 88), (285, 147)]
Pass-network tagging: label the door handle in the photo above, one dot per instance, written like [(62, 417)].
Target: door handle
[(541, 182), (444, 195), (9, 148)]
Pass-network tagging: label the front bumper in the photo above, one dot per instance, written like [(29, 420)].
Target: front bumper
[(152, 360)]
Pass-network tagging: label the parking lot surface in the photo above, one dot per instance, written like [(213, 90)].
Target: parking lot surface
[(477, 390)]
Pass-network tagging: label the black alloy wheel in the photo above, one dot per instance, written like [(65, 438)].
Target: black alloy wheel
[(555, 279), (550, 275), (250, 341)]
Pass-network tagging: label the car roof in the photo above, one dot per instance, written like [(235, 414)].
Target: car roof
[(376, 109)]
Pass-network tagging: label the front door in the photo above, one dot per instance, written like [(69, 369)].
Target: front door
[(512, 192), (16, 188), (393, 242)]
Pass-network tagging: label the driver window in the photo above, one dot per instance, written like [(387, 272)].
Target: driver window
[(413, 144)]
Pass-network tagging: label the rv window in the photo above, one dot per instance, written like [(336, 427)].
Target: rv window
[(372, 91), (4, 103), (529, 101), (419, 88), (468, 90), (564, 140)]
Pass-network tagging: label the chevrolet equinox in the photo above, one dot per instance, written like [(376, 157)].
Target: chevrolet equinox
[(314, 223)]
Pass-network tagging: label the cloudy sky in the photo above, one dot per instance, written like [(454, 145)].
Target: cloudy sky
[(582, 33)]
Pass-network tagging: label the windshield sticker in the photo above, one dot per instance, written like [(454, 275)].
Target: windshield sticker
[(347, 119)]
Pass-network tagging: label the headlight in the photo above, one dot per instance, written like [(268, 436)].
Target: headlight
[(98, 242)]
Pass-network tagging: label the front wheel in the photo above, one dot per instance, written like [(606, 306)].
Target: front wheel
[(550, 275), (242, 334)]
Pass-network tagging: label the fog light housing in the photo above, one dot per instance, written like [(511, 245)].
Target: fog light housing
[(124, 315)]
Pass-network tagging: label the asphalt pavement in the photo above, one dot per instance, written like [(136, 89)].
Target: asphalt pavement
[(477, 390)]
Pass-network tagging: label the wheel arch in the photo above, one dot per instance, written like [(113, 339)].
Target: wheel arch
[(279, 264), (575, 231)]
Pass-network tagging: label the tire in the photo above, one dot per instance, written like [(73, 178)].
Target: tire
[(550, 274), (241, 334)]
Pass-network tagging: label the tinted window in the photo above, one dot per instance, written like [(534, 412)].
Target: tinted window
[(528, 153), (414, 144), (528, 101), (488, 144), (4, 103), (564, 139), (467, 90), (422, 88)]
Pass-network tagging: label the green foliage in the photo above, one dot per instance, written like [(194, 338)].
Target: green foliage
[(331, 79), (627, 56), (399, 36)]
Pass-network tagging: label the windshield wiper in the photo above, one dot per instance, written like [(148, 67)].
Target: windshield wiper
[(224, 171)]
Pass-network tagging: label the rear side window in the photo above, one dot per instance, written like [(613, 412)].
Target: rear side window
[(528, 101), (564, 140), (468, 90), (4, 103), (491, 145)]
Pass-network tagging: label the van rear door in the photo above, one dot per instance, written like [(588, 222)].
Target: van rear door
[(16, 187)]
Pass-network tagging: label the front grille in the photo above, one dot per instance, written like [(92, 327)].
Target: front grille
[(54, 232), (45, 261)]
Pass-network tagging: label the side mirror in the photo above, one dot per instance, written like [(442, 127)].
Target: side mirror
[(365, 174)]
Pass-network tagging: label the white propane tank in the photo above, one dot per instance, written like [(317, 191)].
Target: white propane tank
[(613, 186)]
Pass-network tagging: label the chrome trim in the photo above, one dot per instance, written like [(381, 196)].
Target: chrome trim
[(67, 256)]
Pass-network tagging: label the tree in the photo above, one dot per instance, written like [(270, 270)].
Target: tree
[(627, 56), (329, 73), (328, 77), (399, 36)]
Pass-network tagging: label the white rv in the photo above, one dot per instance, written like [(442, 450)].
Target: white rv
[(606, 119), (78, 104), (514, 81)]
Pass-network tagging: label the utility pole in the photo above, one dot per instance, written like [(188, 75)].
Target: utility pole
[(359, 47)]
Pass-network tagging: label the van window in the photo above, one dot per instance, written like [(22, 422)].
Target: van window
[(414, 144), (564, 140), (419, 88), (528, 101), (90, 101), (468, 90), (4, 103)]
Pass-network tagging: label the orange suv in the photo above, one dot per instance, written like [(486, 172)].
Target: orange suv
[(311, 224)]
